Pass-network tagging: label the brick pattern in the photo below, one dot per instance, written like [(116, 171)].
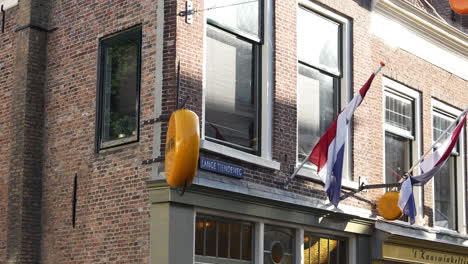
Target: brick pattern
[(112, 213), (27, 115), (368, 135), (7, 58), (112, 217)]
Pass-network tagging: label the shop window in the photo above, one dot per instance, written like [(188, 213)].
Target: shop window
[(119, 85), (449, 180), (400, 129), (223, 241), (323, 72), (232, 95), (320, 249), (278, 245)]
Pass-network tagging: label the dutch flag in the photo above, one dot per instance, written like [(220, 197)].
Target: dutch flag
[(429, 167), (328, 153)]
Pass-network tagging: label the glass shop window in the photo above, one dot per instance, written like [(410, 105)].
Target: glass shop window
[(223, 241), (321, 249)]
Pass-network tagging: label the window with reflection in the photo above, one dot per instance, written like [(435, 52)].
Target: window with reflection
[(399, 135), (232, 109), (278, 245), (445, 181), (320, 73), (219, 240), (321, 249), (119, 84)]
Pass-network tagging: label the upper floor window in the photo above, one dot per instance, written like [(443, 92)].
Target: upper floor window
[(323, 46), (401, 128), (232, 96), (449, 181), (219, 240), (119, 85)]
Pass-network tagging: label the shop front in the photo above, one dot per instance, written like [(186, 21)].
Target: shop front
[(215, 222), (402, 243)]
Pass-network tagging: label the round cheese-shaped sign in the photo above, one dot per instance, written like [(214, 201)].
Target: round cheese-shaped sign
[(388, 206), (182, 148), (459, 6)]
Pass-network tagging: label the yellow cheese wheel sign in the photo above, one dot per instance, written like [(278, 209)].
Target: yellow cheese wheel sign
[(459, 6), (388, 206), (182, 148)]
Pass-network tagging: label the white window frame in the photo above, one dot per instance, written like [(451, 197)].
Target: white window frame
[(460, 175), (259, 228), (310, 171), (7, 4), (266, 100), (393, 88)]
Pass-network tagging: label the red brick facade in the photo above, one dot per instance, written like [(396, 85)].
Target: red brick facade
[(112, 213)]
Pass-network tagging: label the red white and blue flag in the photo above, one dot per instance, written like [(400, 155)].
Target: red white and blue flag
[(328, 153), (429, 167)]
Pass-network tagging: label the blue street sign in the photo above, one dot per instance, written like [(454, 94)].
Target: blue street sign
[(221, 167)]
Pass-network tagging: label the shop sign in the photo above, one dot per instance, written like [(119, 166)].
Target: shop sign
[(182, 148), (222, 168), (421, 255)]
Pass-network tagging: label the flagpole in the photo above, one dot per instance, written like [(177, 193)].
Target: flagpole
[(437, 141), (307, 157)]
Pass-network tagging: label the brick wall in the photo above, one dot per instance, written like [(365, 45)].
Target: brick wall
[(7, 58), (112, 217), (368, 136)]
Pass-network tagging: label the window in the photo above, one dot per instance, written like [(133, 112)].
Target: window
[(449, 181), (399, 135), (402, 131), (232, 106), (323, 72), (321, 249), (223, 241), (119, 85), (278, 245)]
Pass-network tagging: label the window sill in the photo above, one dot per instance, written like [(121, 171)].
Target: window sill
[(239, 155), (311, 174)]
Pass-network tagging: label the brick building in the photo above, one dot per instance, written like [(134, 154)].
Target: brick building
[(81, 169)]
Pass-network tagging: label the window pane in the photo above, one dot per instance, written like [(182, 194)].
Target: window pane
[(278, 245), (239, 15), (235, 241), (342, 252), (120, 77), (199, 237), (334, 254), (440, 123), (316, 107), (223, 239), (318, 40), (210, 238), (397, 157), (246, 242), (444, 195), (324, 250), (231, 96), (399, 113)]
